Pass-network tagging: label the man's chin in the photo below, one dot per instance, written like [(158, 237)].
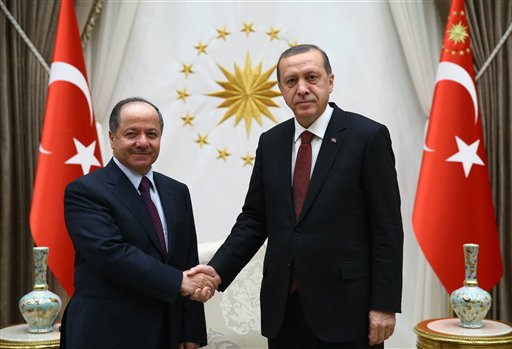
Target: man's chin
[(141, 169), (305, 113), (141, 165)]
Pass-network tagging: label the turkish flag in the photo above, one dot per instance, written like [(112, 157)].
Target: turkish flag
[(454, 202), (69, 146)]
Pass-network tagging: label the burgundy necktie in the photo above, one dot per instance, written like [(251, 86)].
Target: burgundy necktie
[(144, 187), (302, 172), (301, 176)]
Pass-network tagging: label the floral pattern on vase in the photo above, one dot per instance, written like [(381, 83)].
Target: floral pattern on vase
[(470, 302), (40, 307)]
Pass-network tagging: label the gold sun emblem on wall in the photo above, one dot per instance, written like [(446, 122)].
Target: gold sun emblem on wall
[(247, 94), (458, 33)]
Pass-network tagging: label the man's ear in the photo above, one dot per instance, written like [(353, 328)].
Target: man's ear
[(111, 138)]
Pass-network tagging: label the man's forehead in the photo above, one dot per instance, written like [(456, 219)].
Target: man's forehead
[(136, 105), (139, 126), (302, 66), (312, 57), (138, 114)]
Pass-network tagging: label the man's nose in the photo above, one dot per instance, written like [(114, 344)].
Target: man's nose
[(302, 88), (142, 141)]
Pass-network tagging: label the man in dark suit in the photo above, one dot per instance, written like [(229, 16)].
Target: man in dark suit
[(324, 193), (134, 235)]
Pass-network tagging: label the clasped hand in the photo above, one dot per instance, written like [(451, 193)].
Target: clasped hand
[(382, 325), (200, 283)]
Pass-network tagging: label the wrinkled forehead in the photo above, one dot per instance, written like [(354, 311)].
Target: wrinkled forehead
[(139, 115), (306, 61)]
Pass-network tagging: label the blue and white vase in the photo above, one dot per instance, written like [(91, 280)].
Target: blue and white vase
[(40, 307), (470, 302)]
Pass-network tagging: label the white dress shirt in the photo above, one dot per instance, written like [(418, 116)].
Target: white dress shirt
[(318, 129)]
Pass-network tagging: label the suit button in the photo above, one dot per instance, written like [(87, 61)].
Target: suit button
[(296, 232)]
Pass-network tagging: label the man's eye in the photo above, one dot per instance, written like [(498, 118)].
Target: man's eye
[(312, 78), (291, 81)]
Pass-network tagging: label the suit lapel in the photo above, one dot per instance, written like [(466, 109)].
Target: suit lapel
[(283, 153), (126, 193), (331, 144), (169, 207)]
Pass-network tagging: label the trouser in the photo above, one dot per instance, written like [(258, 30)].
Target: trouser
[(296, 334)]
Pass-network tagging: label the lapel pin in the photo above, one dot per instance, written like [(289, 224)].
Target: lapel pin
[(333, 139)]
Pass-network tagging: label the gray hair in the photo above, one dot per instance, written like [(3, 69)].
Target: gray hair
[(298, 49)]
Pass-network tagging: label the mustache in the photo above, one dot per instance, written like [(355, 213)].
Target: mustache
[(141, 151), (302, 100)]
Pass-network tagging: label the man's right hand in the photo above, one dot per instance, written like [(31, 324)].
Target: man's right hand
[(197, 286), (203, 293)]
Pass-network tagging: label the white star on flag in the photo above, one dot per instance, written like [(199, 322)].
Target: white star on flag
[(84, 156), (467, 155)]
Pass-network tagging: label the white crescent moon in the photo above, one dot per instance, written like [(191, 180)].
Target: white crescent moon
[(62, 71), (425, 147), (44, 151), (454, 72)]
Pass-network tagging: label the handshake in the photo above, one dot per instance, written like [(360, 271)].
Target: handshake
[(200, 283)]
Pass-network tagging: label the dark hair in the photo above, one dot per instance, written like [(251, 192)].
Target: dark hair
[(115, 116), (295, 50)]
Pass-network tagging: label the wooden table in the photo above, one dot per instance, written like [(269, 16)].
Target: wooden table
[(446, 334), (17, 337)]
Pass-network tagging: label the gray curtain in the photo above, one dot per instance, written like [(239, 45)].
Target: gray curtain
[(24, 84), (488, 22)]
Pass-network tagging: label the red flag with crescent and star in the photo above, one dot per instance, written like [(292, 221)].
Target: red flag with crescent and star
[(69, 146), (454, 202)]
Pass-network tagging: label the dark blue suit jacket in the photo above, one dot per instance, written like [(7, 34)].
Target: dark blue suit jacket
[(346, 246), (126, 292)]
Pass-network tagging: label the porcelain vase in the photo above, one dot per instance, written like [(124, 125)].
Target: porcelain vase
[(470, 302), (40, 307)]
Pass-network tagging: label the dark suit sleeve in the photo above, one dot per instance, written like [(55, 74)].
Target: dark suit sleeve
[(386, 232), (98, 242), (193, 319), (249, 231)]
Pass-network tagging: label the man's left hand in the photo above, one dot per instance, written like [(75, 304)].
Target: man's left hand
[(382, 325), (188, 345)]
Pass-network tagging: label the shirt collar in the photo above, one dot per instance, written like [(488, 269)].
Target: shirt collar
[(317, 128), (133, 176)]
